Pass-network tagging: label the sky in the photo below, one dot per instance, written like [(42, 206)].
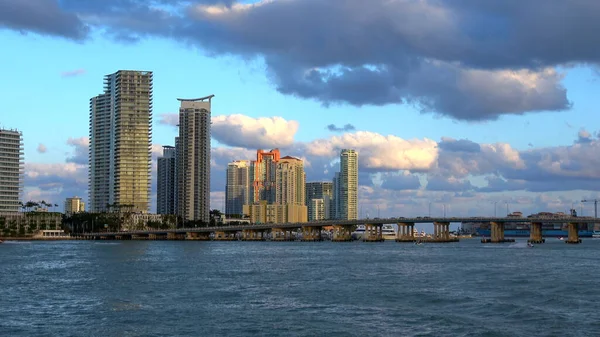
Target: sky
[(472, 106)]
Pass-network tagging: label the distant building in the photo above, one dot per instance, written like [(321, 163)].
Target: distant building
[(74, 205), (290, 182), (265, 168), (322, 191), (11, 170), (193, 159), (275, 213), (346, 195), (120, 141), (165, 184), (238, 189)]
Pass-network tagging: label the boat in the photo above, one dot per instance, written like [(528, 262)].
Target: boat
[(358, 233), (596, 235), (561, 238), (529, 245), (388, 232), (1, 241)]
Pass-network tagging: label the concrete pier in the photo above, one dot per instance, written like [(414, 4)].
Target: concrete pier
[(253, 235), (342, 234), (311, 233), (535, 235), (197, 236), (497, 233), (373, 233), (405, 232), (573, 234), (225, 236), (278, 234)]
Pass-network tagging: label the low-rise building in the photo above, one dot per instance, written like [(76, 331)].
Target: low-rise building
[(74, 205), (263, 212)]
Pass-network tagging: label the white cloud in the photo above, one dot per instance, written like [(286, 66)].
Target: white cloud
[(42, 148), (254, 133)]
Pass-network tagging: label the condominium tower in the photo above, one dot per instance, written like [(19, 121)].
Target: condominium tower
[(193, 159), (120, 143), (264, 175), (165, 186), (290, 182), (319, 199), (346, 185), (238, 191), (11, 170), (74, 205)]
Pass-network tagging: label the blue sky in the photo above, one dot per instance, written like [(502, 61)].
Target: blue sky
[(254, 72)]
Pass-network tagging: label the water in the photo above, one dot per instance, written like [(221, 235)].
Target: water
[(160, 288)]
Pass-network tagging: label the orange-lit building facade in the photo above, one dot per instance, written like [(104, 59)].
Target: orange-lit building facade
[(265, 167)]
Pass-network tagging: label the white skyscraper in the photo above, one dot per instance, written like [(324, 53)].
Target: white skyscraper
[(120, 143), (193, 159), (238, 191), (290, 182), (346, 186), (11, 170)]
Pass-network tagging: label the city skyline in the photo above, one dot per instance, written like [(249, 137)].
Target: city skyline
[(517, 125)]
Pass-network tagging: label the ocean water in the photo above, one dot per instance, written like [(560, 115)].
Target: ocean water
[(175, 288)]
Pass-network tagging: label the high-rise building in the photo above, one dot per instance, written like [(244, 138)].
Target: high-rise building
[(165, 189), (11, 170), (347, 186), (335, 203), (193, 159), (238, 191), (74, 205), (322, 191), (290, 182), (120, 143), (265, 167)]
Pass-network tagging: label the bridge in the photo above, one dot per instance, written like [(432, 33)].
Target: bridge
[(342, 230)]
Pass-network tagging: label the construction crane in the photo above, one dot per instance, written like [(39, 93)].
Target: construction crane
[(595, 201)]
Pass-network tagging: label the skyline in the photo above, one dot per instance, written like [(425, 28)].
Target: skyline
[(544, 141)]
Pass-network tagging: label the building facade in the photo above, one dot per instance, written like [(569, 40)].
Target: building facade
[(347, 186), (238, 191), (322, 191), (74, 205), (262, 212), (193, 159), (120, 143), (265, 168), (290, 182), (11, 170), (165, 184)]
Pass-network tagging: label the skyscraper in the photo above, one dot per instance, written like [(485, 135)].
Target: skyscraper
[(290, 182), (264, 175), (319, 199), (347, 186), (120, 143), (238, 191), (11, 170), (165, 195), (193, 159)]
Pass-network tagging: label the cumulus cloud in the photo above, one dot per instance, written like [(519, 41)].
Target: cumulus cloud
[(42, 148), (345, 128), (469, 60), (379, 152), (253, 133), (80, 150), (72, 73)]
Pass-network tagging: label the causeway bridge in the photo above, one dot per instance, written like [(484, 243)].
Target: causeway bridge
[(342, 230)]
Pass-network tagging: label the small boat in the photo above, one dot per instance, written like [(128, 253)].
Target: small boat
[(529, 245), (596, 235), (561, 238)]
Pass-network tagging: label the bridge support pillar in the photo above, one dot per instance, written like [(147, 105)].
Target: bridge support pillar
[(497, 234), (310, 233), (442, 232), (278, 234), (535, 233), (252, 235), (573, 234), (342, 234), (373, 233), (224, 236), (197, 236), (405, 232)]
